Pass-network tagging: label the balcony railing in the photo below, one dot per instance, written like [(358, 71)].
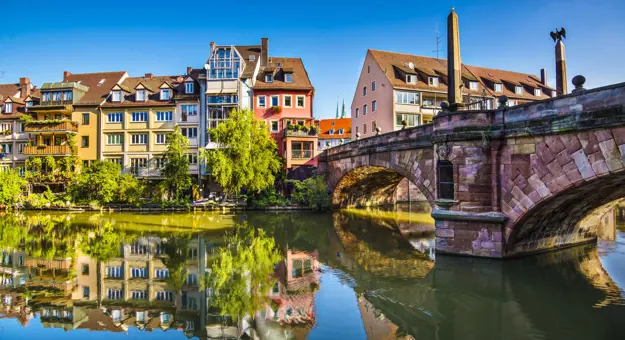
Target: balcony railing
[(48, 150), (304, 132), (301, 154), (43, 126)]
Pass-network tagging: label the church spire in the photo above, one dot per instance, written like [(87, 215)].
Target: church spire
[(344, 112), (337, 108)]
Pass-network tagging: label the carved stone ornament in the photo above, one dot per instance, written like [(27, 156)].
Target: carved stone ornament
[(443, 151)]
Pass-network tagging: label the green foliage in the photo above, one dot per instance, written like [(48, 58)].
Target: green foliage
[(104, 244), (276, 109), (103, 182), (176, 249), (247, 157), (175, 173), (28, 121), (241, 274), (48, 169), (268, 198), (42, 200), (312, 192), (12, 187), (313, 130)]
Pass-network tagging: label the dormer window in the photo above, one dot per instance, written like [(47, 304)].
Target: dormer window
[(411, 78), (288, 77), (117, 96), (473, 85), (433, 81), (537, 92), (268, 78), (29, 103), (518, 90), (188, 87), (140, 95), (252, 57), (8, 108), (331, 132), (340, 132), (165, 94), (498, 87), (279, 64)]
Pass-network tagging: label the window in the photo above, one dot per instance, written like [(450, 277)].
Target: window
[(85, 269), (136, 165), (192, 157), (159, 162), (537, 92), (357, 112), (85, 292), (331, 132), (189, 110), (518, 90), (374, 105), (473, 85), (512, 102), (364, 128), (268, 78), (445, 179), (428, 102), (368, 68), (190, 133), (46, 96), (288, 101), (340, 132), (67, 95), (412, 79), (117, 96), (138, 295), (288, 77), (85, 119), (7, 148), (117, 161), (275, 101), (56, 96), (275, 126), (188, 87), (301, 101), (85, 141), (252, 57), (498, 87), (114, 294), (364, 91), (115, 139), (261, 102), (374, 86), (356, 130), (114, 272), (162, 273), (433, 81), (138, 272), (161, 138), (140, 95), (20, 148), (364, 110), (139, 117), (163, 116), (114, 117), (165, 296), (191, 279), (139, 138), (402, 97), (374, 126), (6, 127), (29, 103), (410, 119), (165, 94), (8, 108)]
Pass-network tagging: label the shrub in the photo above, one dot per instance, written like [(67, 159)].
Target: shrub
[(312, 192)]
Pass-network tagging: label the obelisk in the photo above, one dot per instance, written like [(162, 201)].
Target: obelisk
[(454, 63), (560, 69)]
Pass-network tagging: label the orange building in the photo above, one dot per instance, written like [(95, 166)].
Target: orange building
[(283, 98), (333, 132)]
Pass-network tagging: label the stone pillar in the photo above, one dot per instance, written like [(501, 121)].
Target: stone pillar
[(561, 87), (454, 63)]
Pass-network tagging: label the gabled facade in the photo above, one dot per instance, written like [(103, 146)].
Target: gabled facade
[(14, 102), (333, 132), (396, 90)]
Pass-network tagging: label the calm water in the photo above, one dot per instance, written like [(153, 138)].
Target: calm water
[(349, 275)]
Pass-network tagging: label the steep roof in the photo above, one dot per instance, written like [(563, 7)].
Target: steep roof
[(153, 84), (395, 64), (99, 85), (244, 53), (8, 90), (287, 65), (336, 123)]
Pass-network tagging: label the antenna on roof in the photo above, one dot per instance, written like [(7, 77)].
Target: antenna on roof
[(438, 40)]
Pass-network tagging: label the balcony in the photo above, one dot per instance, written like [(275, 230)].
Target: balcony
[(47, 126), (54, 150), (302, 154), (300, 131)]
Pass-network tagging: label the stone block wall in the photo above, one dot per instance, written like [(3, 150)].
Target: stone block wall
[(473, 238)]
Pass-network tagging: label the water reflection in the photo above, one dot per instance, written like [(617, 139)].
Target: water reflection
[(348, 275)]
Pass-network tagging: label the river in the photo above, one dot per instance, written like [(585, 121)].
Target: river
[(353, 274)]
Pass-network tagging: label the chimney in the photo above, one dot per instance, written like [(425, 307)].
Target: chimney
[(189, 69), (24, 87), (264, 52), (149, 75), (543, 76), (66, 74), (212, 47)]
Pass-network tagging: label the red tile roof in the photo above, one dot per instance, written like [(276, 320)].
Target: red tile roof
[(152, 84), (8, 90), (336, 123), (99, 84), (394, 65), (287, 65)]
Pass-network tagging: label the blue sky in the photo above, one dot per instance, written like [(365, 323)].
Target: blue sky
[(40, 41)]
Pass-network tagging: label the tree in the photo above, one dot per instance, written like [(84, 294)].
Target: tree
[(175, 173), (12, 188), (247, 157), (241, 274), (312, 192), (176, 249), (103, 182)]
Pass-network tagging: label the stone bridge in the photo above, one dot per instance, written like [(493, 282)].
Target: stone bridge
[(501, 182)]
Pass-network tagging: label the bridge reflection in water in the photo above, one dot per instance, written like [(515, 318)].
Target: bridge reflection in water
[(345, 275)]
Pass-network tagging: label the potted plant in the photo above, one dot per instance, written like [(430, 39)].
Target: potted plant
[(7, 132), (276, 109)]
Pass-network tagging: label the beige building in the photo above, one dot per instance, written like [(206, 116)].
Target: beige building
[(396, 89)]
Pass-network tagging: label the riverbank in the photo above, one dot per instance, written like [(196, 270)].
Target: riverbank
[(156, 208)]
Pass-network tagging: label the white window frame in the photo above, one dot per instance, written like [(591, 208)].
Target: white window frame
[(193, 112), (8, 107), (374, 106), (331, 132), (188, 87), (115, 115), (277, 125), (518, 90), (284, 97), (472, 85), (297, 98), (433, 81), (144, 114), (160, 138), (116, 96), (268, 78), (140, 98), (340, 131), (165, 94), (498, 87), (166, 116), (192, 157), (263, 105), (411, 78), (139, 138), (118, 140), (288, 77), (276, 97), (538, 92), (185, 132)]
